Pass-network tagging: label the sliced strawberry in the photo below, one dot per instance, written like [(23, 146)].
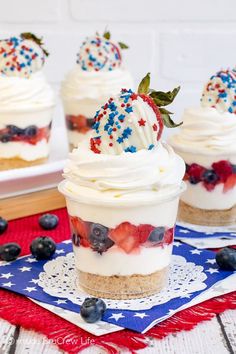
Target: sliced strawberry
[(80, 228), (230, 183), (157, 112), (169, 236), (223, 169), (144, 231), (125, 236)]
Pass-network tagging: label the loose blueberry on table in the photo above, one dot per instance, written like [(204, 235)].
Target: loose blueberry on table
[(3, 225), (48, 221), (43, 247), (92, 309), (226, 258), (9, 251)]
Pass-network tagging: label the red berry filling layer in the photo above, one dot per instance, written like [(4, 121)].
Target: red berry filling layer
[(126, 236), (79, 123), (31, 134), (221, 172)]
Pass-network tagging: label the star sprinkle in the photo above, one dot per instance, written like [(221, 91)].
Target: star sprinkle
[(142, 122)]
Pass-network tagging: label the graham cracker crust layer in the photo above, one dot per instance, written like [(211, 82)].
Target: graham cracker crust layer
[(204, 217), (123, 287), (9, 164)]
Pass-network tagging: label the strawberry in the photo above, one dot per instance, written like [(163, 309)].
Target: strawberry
[(144, 231), (169, 236), (80, 228), (125, 236), (195, 173), (223, 169), (230, 183)]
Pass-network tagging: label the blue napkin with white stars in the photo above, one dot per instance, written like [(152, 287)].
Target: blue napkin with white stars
[(186, 232), (21, 276)]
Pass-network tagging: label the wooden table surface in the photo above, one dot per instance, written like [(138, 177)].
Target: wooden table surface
[(217, 336)]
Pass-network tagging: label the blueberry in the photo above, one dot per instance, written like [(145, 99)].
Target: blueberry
[(75, 240), (234, 168), (42, 247), (70, 125), (92, 309), (5, 138), (99, 239), (31, 130), (90, 122), (14, 130), (157, 234), (210, 176), (226, 258), (48, 221), (3, 225), (10, 251), (193, 180)]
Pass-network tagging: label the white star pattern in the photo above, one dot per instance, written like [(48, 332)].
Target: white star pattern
[(60, 302), (140, 315), (212, 270), (31, 260), (59, 251), (187, 296), (35, 281), (6, 275), (25, 269), (66, 242), (116, 316), (196, 251), (232, 234), (177, 244), (211, 261), (30, 289), (171, 312), (9, 284), (183, 231)]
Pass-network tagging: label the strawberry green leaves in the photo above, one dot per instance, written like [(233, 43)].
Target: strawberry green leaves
[(123, 45), (144, 85), (30, 36), (107, 35), (160, 99)]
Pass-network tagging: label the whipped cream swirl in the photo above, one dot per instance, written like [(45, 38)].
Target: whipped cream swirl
[(143, 177), (18, 93), (205, 130), (80, 84)]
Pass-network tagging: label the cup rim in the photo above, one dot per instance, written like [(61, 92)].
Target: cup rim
[(122, 203)]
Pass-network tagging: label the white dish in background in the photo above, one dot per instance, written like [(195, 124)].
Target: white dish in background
[(30, 179)]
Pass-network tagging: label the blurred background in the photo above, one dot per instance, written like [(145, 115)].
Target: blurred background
[(180, 42)]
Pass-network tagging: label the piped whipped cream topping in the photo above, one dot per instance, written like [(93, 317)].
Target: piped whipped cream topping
[(20, 57), (99, 85), (220, 92), (206, 131), (144, 176), (19, 93), (126, 123), (99, 54)]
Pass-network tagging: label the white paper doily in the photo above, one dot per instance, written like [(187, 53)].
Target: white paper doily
[(59, 280)]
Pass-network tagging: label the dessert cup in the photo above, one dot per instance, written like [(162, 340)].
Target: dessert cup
[(134, 257), (26, 102), (99, 73), (24, 137), (211, 204)]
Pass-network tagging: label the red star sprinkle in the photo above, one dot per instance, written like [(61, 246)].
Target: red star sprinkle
[(142, 122), (154, 127)]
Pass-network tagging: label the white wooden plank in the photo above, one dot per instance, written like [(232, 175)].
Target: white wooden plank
[(206, 338), (30, 342), (6, 336), (228, 319)]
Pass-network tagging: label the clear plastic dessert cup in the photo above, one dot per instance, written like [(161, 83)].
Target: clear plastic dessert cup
[(79, 118), (122, 249), (24, 137), (210, 196)]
